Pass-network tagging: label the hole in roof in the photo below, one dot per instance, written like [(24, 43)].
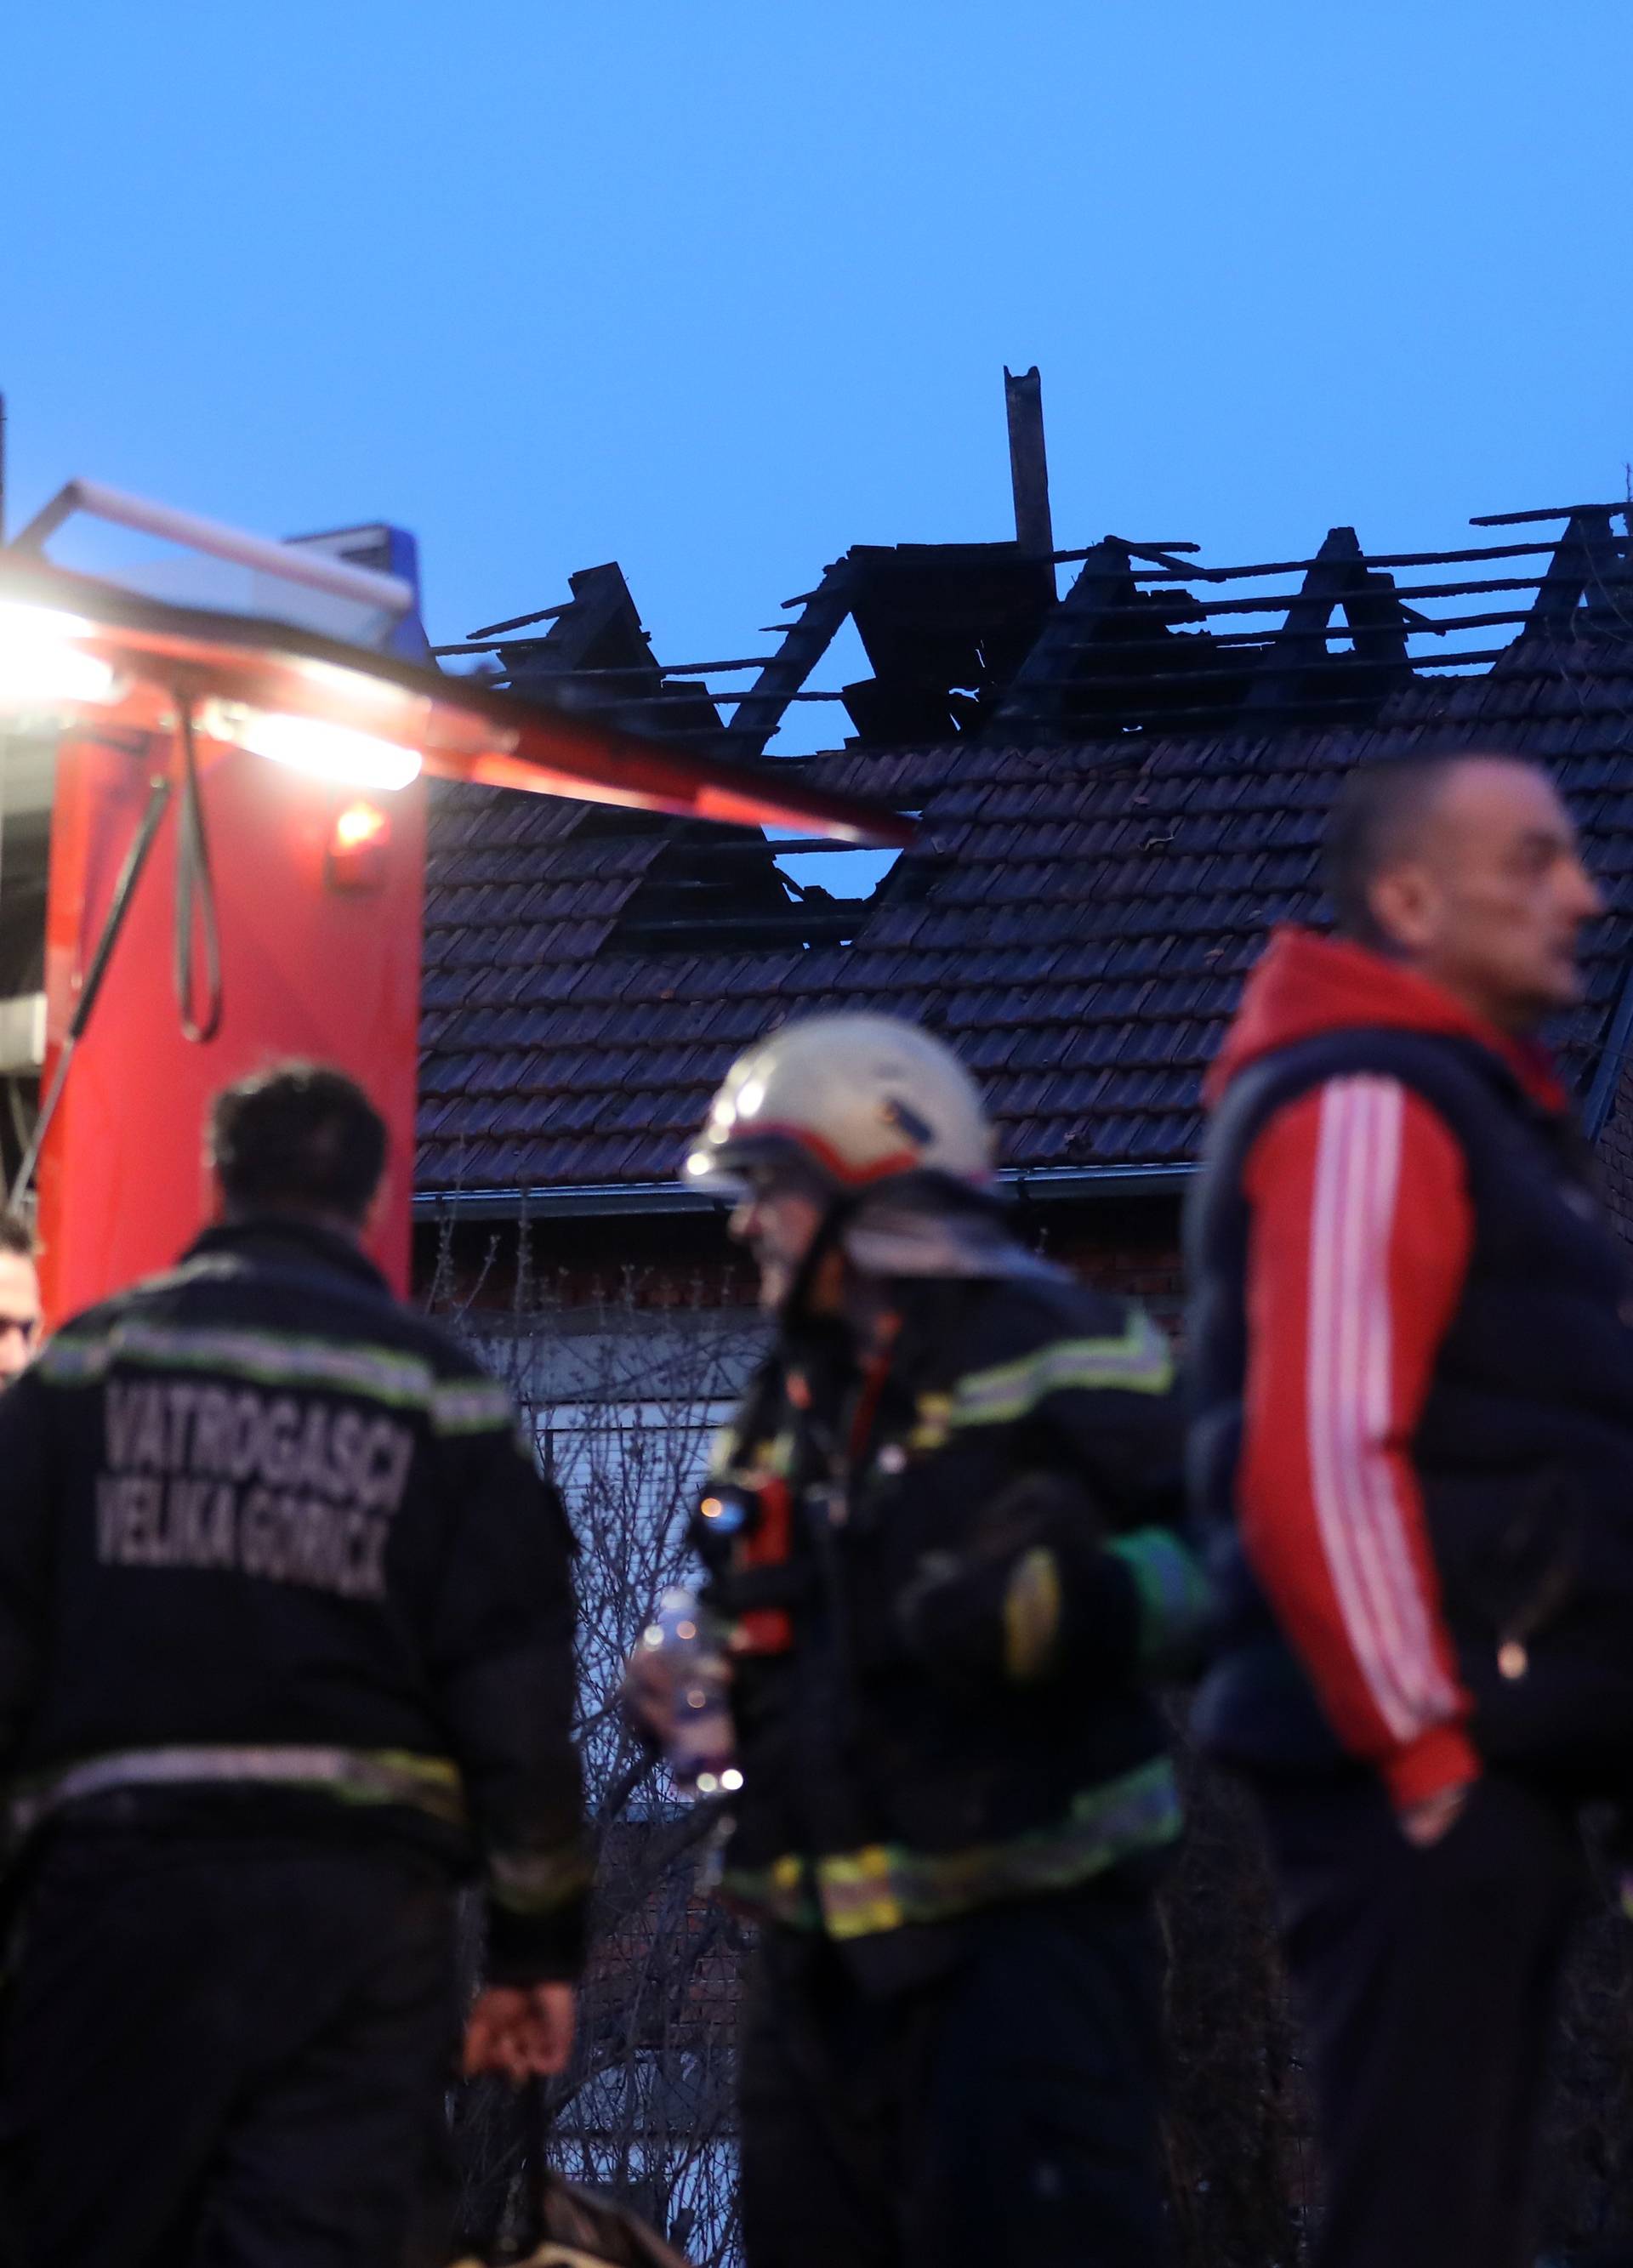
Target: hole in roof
[(810, 725), (843, 872)]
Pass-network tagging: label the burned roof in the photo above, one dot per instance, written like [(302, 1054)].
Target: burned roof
[(1107, 830)]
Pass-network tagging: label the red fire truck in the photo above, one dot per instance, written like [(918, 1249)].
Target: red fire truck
[(211, 850)]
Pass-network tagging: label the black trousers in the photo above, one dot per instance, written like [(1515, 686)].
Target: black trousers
[(224, 2055), (1004, 2114), (1428, 1980)]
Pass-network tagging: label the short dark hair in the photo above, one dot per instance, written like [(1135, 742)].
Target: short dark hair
[(16, 1236), (1379, 810), (298, 1137)]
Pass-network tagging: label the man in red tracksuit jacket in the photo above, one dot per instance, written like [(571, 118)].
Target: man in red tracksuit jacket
[(1412, 1354)]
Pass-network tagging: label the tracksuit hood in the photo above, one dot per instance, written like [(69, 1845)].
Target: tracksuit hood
[(1304, 986)]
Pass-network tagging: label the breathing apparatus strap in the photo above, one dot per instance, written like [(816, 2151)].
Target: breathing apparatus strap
[(842, 1208)]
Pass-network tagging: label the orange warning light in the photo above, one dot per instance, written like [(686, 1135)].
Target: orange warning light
[(358, 844)]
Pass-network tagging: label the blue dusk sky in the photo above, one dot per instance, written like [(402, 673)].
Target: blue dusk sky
[(716, 288)]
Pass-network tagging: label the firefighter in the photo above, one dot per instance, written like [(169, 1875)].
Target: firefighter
[(286, 1636), (1414, 1401), (19, 1297), (938, 1546)]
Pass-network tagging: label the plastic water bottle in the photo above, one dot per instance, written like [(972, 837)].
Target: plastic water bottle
[(701, 1744)]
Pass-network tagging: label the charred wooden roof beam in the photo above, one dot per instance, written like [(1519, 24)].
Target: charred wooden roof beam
[(1104, 588), (760, 711)]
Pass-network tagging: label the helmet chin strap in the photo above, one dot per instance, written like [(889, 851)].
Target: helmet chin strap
[(794, 1305), (843, 1207)]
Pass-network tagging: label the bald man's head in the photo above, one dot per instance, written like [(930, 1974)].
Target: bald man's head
[(1378, 815), (1465, 867)]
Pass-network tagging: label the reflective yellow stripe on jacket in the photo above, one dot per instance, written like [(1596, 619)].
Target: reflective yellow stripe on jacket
[(885, 1886), (428, 1784)]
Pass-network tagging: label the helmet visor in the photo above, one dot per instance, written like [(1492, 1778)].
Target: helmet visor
[(746, 1161)]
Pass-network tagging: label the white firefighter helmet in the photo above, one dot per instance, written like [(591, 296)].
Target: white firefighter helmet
[(863, 1099)]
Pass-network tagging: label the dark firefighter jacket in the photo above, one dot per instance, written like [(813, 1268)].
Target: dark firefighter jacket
[(955, 1578), (271, 1548)]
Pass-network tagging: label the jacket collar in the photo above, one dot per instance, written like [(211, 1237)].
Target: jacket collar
[(1304, 986), (279, 1236)]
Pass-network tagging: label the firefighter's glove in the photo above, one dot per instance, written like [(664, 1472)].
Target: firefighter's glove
[(1030, 1596)]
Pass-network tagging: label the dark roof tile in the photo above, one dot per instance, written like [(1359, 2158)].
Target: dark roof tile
[(1077, 922)]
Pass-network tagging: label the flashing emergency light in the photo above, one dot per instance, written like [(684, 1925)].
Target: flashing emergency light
[(358, 825), (156, 657), (313, 744), (43, 665), (359, 843)]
